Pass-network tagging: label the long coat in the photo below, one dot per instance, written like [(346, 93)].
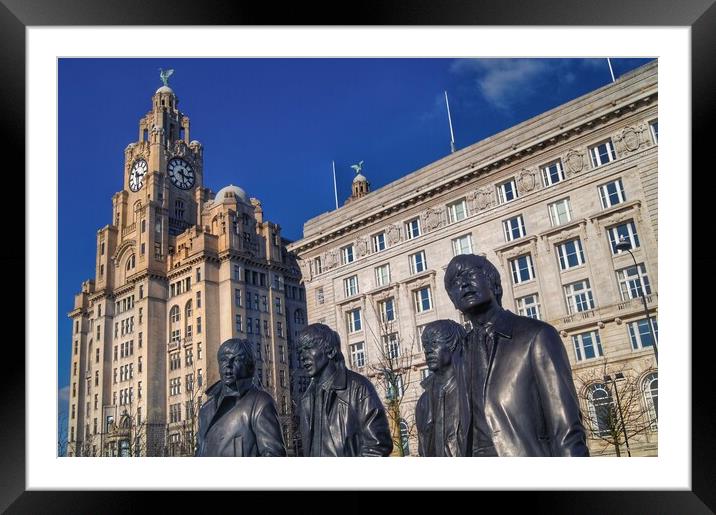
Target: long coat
[(355, 420), (250, 428), (531, 405)]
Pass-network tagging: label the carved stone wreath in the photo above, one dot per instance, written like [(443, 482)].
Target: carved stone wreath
[(629, 138), (393, 234), (484, 198), (527, 181), (575, 161), (432, 218)]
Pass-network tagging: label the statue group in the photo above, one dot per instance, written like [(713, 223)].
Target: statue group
[(502, 389)]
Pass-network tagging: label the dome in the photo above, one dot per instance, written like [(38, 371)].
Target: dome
[(165, 89), (235, 190), (360, 178)]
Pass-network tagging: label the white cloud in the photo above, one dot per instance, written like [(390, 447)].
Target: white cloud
[(63, 397)]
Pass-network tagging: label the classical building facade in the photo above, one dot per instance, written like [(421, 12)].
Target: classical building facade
[(545, 201), (178, 271)]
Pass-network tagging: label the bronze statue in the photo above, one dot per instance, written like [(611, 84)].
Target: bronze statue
[(341, 413), (523, 400), (442, 414), (238, 418)]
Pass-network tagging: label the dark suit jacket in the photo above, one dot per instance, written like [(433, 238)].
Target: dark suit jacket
[(250, 428), (356, 424), (531, 404)]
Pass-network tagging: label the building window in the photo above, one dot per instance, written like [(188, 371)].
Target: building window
[(387, 310), (379, 242), (319, 295), (174, 361), (655, 130), (382, 275), (560, 212), (587, 346), (412, 229), (462, 245), (299, 317), (650, 386), (396, 388), (601, 409), (347, 255), (357, 355), (237, 272), (350, 286), (423, 300), (612, 193), (277, 305), (179, 209), (457, 211), (174, 314), (175, 386), (391, 346), (626, 230), (633, 281), (237, 297), (514, 228), (250, 325), (570, 254), (198, 300), (198, 325), (641, 335), (317, 266), (522, 269), (188, 357), (417, 262), (579, 297), (257, 326), (176, 336), (239, 324), (198, 274), (354, 320), (266, 328), (602, 153), (528, 306), (281, 353), (552, 173), (506, 191), (139, 364)]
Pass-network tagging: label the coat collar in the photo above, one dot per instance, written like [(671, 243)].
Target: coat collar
[(503, 323)]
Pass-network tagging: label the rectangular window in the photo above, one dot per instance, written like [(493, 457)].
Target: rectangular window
[(655, 130), (282, 378), (412, 229), (198, 274), (552, 173), (357, 355), (382, 275), (266, 328), (317, 265), (612, 193), (587, 346), (319, 295), (506, 191), (462, 245), (570, 254), (354, 320), (391, 346), (237, 297), (198, 299), (379, 242), (396, 388), (641, 334), (457, 211), (423, 300), (198, 325), (560, 212), (522, 269), (250, 325), (281, 353), (633, 281), (418, 263), (514, 228), (627, 231), (578, 297), (347, 255), (387, 310), (602, 153), (239, 324), (350, 286), (528, 306), (257, 326)]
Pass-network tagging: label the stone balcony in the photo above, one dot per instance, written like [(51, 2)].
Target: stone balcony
[(605, 314)]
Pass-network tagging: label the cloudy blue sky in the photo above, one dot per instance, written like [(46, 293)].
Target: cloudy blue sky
[(273, 126)]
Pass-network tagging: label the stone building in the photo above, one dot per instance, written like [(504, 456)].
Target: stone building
[(545, 201), (178, 271)]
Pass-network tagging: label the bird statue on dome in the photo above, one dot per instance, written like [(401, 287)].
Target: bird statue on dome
[(358, 168), (165, 74)]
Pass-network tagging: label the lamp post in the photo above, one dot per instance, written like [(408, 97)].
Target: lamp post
[(608, 378), (625, 244)]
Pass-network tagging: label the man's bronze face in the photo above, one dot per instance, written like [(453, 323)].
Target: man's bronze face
[(313, 357), (470, 290), (234, 365), (437, 354)]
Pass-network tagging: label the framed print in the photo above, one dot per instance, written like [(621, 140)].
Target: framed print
[(41, 38)]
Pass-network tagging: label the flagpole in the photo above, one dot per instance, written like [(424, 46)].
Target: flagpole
[(452, 135), (335, 189), (610, 69)]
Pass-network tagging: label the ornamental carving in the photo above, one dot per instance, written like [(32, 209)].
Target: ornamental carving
[(393, 234), (432, 218), (362, 247), (331, 259), (484, 198), (305, 270), (575, 161), (527, 181), (628, 139), (180, 149)]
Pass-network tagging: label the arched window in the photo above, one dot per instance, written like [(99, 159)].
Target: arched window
[(174, 315), (137, 209), (650, 387), (601, 410), (179, 208), (130, 262), (299, 317), (404, 436), (188, 310)]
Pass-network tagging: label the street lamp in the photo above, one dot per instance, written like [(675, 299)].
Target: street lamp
[(625, 244), (608, 378)]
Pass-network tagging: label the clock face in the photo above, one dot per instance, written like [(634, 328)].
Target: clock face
[(136, 174), (181, 173)]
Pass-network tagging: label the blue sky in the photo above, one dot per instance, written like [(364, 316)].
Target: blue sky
[(273, 126)]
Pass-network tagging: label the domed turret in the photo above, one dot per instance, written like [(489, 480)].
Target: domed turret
[(232, 191)]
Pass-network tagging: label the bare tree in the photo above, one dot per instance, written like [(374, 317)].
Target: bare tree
[(617, 410), (392, 366), (62, 442)]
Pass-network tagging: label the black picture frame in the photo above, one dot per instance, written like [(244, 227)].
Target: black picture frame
[(700, 15)]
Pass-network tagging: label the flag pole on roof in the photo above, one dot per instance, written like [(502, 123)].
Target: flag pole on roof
[(609, 62), (452, 135), (335, 189)]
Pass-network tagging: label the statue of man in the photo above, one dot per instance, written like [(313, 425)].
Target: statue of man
[(238, 418), (341, 413), (522, 397), (442, 414)]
